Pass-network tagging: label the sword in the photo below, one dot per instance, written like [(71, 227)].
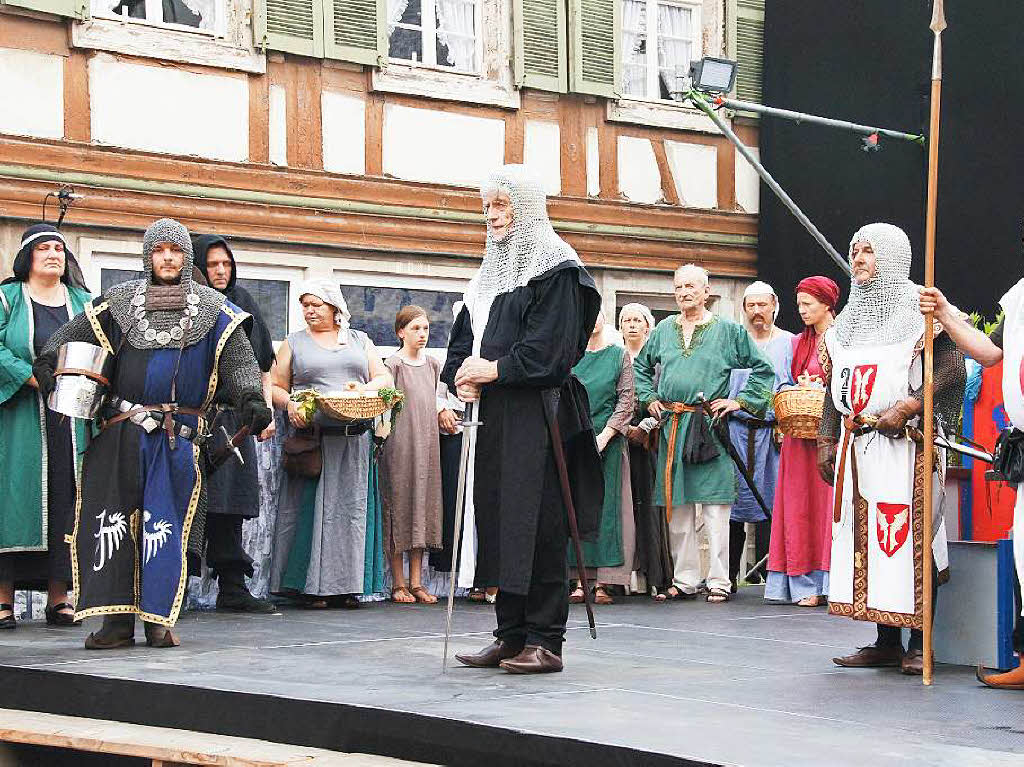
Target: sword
[(469, 425), (723, 436), (229, 449)]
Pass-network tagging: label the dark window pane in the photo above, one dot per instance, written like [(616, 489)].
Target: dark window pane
[(413, 13), (406, 44), (136, 8), (373, 311), (271, 297), (176, 12), (111, 277)]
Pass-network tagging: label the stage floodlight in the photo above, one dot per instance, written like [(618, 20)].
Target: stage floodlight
[(713, 75)]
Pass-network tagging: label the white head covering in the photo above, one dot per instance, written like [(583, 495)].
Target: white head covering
[(329, 292), (883, 310), (760, 288), (638, 308)]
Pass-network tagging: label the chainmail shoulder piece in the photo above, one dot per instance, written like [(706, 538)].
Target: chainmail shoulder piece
[(531, 247), (148, 329), (239, 373), (883, 310)]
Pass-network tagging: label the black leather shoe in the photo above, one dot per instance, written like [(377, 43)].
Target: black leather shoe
[(243, 602), (490, 657), (533, 660)]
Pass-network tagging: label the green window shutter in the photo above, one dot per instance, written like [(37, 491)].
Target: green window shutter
[(594, 46), (293, 26), (750, 49), (75, 9), (356, 30), (539, 33)]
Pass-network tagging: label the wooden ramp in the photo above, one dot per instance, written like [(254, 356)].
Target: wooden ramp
[(165, 747)]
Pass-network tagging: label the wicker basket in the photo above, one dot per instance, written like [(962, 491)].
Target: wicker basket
[(352, 408), (798, 411)]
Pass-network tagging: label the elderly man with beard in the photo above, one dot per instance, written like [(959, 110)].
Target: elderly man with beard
[(697, 352), (142, 508), (755, 438), (525, 322), (875, 352)]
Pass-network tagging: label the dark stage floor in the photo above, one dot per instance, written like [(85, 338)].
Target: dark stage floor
[(678, 683)]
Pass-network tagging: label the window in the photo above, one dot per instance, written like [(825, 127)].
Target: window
[(205, 15), (373, 311), (435, 33), (659, 40), (271, 296)]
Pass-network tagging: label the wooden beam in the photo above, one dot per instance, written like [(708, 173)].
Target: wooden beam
[(259, 119), (77, 107)]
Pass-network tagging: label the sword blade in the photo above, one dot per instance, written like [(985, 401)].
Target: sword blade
[(469, 424)]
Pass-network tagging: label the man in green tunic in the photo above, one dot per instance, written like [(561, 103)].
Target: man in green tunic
[(696, 352)]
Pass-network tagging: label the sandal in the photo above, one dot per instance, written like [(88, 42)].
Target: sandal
[(717, 596), (402, 596), (657, 596), (423, 596), (576, 597), (8, 621), (315, 604), (351, 602), (678, 595), (477, 595), (602, 597), (160, 636), (815, 601), (56, 617)]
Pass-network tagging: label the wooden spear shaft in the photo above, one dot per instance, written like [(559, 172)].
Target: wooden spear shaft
[(938, 24)]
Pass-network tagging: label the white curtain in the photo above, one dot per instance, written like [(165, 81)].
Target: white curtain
[(396, 9), (634, 32), (206, 10), (456, 31), (673, 23)]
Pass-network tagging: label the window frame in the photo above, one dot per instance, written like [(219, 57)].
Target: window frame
[(651, 67), (428, 42), (155, 7)]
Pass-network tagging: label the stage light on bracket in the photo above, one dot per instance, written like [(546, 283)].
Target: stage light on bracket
[(713, 75)]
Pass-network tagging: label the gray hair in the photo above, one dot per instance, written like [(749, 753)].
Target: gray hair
[(694, 268)]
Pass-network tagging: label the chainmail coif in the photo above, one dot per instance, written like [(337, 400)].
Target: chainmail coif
[(883, 310)]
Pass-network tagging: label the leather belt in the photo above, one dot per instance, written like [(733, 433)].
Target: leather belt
[(150, 417), (676, 409)]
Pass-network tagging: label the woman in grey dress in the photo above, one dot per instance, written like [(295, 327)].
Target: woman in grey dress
[(327, 543)]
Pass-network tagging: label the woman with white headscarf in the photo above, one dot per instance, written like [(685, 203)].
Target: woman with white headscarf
[(327, 544)]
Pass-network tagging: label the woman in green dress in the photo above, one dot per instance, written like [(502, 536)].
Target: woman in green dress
[(606, 371), (38, 448)]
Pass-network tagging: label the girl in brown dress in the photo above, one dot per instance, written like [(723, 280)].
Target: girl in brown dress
[(411, 462)]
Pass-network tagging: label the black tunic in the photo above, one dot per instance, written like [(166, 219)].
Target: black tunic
[(536, 333)]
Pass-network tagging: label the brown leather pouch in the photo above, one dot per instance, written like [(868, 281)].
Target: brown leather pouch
[(302, 454)]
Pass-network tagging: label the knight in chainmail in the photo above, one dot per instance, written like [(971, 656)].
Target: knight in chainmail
[(525, 322), (176, 345), (875, 352)]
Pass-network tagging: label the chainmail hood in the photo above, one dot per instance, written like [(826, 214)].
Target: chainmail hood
[(883, 310), (531, 247), (147, 328)]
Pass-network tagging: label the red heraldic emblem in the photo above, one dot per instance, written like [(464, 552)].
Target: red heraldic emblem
[(893, 524), (863, 384)]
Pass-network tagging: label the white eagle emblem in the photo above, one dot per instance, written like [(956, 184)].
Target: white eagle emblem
[(153, 541), (109, 537)]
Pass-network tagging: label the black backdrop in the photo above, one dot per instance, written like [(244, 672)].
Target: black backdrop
[(870, 62)]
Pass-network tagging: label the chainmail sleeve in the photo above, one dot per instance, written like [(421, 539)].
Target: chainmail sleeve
[(238, 371), (950, 377), (77, 329), (828, 429)]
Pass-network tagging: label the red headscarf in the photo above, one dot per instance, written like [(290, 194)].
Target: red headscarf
[(827, 292)]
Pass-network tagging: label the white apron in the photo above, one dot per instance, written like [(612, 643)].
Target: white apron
[(1013, 397), (877, 558)]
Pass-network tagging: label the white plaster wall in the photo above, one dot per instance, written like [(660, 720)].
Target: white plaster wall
[(157, 109), (428, 145), (748, 183), (278, 125), (593, 163), (695, 173), (542, 154), (639, 179), (344, 129), (31, 94)]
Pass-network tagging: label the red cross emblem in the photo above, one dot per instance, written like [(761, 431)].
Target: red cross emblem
[(893, 524), (863, 384)]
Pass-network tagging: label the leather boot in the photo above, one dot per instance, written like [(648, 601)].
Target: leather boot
[(533, 660), (872, 656), (116, 631), (160, 636), (233, 596), (1010, 680), (489, 657), (912, 662)]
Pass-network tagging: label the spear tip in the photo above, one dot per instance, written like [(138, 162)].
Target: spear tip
[(938, 17)]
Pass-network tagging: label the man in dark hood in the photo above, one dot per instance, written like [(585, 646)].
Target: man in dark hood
[(233, 492)]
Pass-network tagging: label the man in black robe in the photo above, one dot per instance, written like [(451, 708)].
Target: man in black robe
[(525, 322), (233, 490)]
